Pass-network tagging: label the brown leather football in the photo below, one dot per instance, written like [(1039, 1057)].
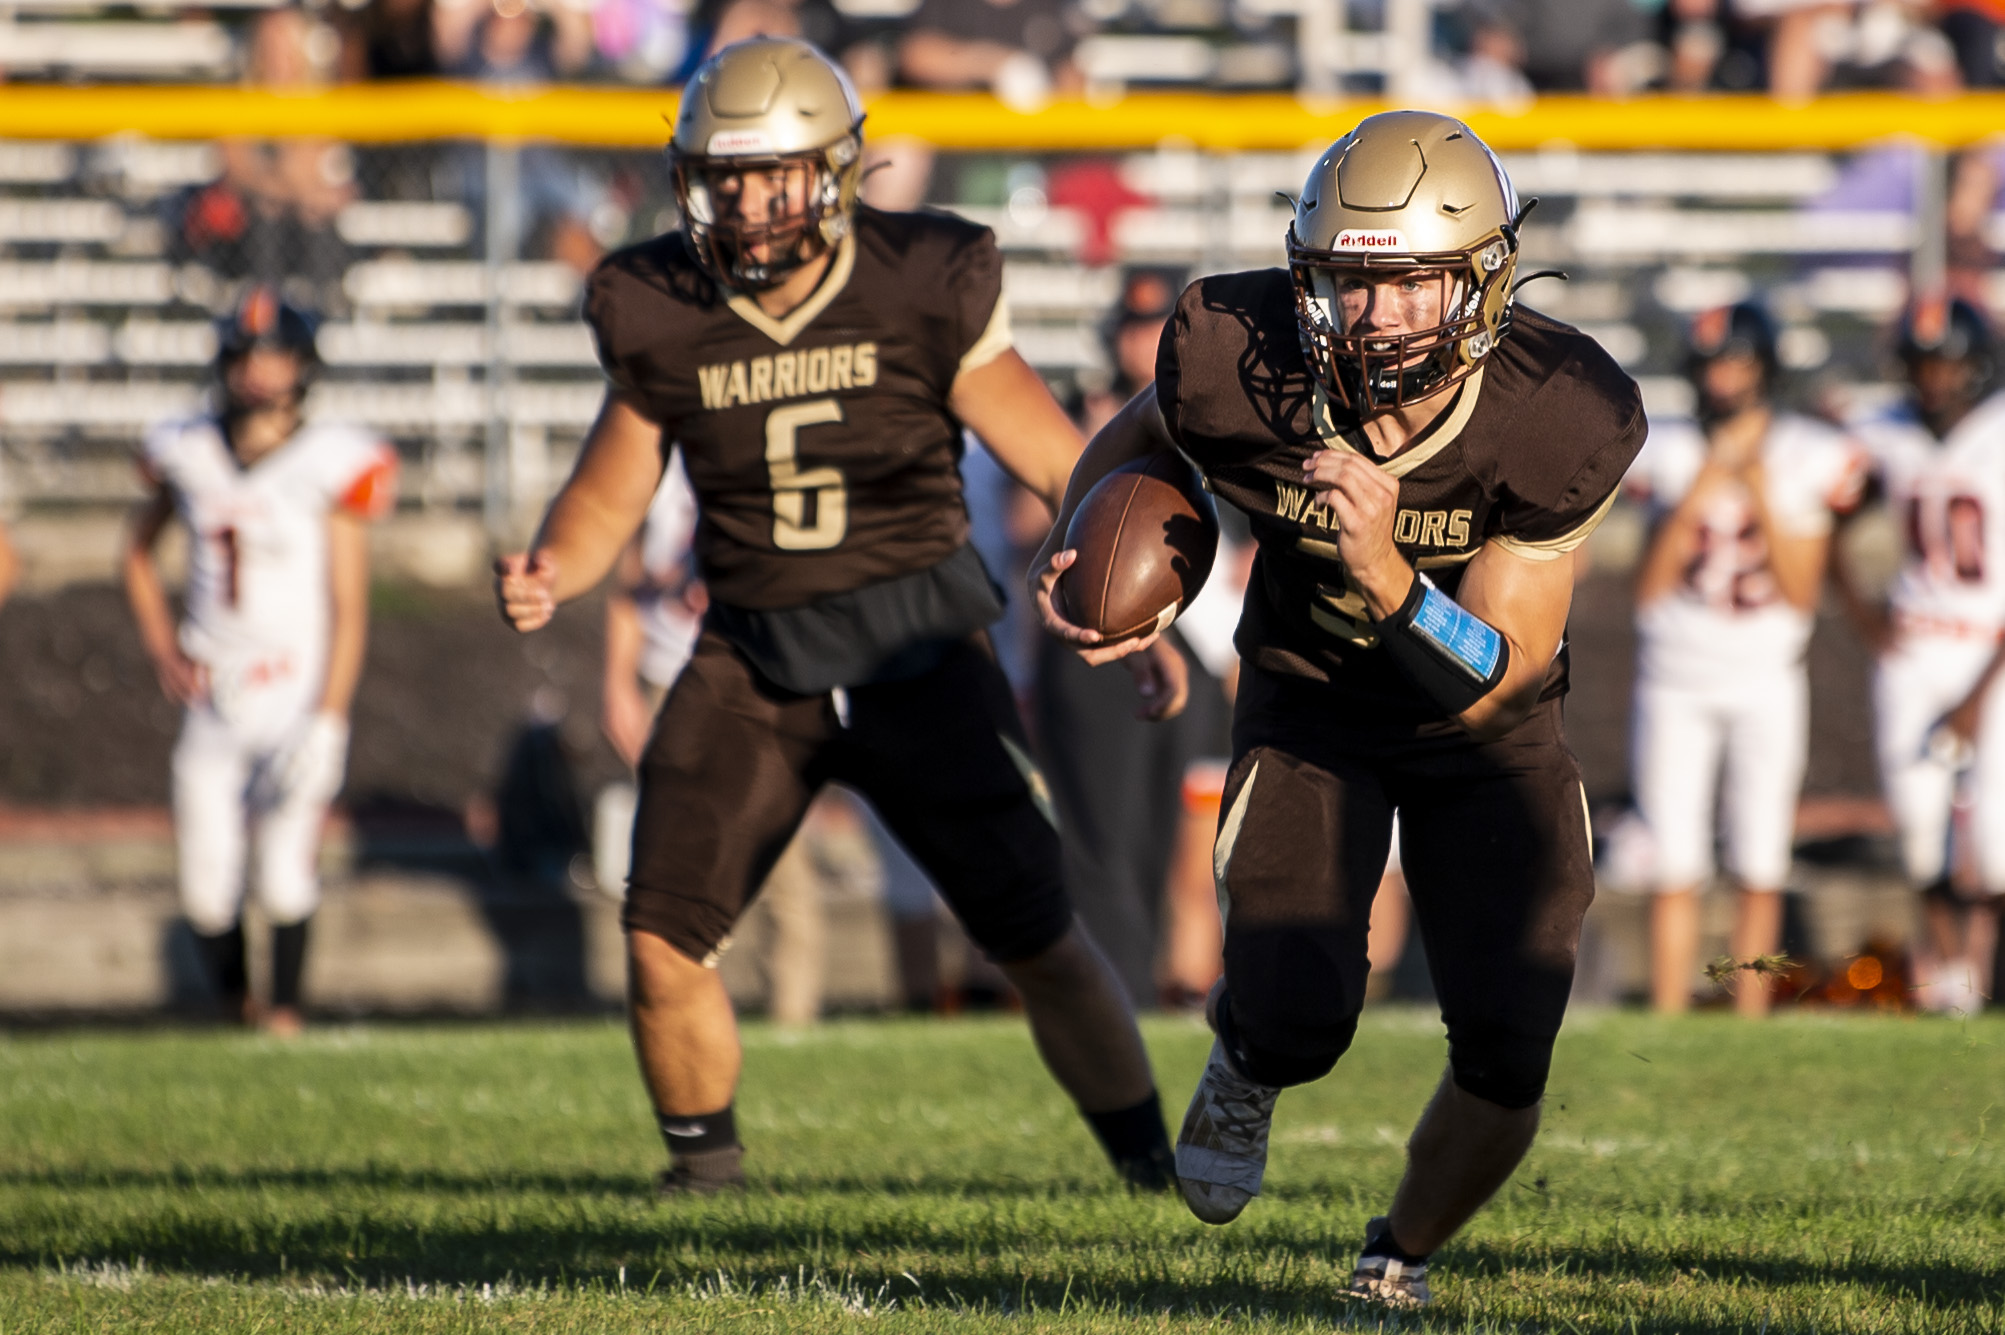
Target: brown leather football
[(1146, 535)]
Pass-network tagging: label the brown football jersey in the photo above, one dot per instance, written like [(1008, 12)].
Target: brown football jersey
[(821, 448), (1528, 455)]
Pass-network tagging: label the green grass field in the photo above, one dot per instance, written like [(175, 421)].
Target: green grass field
[(1817, 1174)]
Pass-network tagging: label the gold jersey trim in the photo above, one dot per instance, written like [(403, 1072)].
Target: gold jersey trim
[(785, 331), (994, 342), (1443, 435), (1551, 549)]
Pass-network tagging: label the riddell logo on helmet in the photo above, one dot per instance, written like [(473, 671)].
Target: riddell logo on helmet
[(726, 143), (1359, 238)]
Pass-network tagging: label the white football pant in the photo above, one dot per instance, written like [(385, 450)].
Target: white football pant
[(1913, 687), (265, 775), (1737, 748)]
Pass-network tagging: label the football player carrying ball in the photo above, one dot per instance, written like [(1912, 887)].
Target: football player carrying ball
[(1419, 460)]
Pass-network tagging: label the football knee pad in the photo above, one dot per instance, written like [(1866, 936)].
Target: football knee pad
[(1504, 1068)]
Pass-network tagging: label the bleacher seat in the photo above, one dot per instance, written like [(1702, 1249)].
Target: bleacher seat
[(68, 282), (186, 48), (415, 283), (76, 221), (398, 223)]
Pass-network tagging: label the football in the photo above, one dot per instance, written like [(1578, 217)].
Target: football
[(1146, 535)]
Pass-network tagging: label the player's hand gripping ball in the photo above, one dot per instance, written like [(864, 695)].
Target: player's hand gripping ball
[(1145, 536)]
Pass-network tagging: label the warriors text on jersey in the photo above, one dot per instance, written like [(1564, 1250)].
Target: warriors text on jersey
[(257, 598), (1726, 617), (1528, 455), (1949, 498), (820, 446)]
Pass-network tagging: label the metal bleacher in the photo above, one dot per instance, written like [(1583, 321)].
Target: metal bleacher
[(458, 354)]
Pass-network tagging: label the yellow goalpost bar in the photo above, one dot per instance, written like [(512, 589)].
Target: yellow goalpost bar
[(1221, 122)]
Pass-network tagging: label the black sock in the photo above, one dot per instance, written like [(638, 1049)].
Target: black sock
[(288, 962), (1131, 1133), (1381, 1243), (698, 1135), (223, 953)]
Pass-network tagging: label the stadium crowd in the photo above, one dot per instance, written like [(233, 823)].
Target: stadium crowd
[(1027, 50)]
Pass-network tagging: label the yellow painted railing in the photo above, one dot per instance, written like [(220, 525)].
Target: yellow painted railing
[(626, 117)]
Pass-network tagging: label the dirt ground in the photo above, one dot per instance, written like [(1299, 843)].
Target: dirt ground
[(447, 687)]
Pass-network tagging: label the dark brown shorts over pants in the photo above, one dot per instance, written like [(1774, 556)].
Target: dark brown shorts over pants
[(734, 761), (1497, 855)]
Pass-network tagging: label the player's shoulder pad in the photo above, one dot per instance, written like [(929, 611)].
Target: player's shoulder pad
[(1568, 416), (1988, 417), (1230, 360), (165, 440), (932, 245), (626, 288)]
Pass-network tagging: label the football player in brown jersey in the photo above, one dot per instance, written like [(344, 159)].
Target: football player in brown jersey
[(1418, 461), (815, 362)]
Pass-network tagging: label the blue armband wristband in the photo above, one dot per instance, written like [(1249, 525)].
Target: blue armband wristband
[(1454, 656)]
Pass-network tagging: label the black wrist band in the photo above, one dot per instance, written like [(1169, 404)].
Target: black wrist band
[(1454, 656)]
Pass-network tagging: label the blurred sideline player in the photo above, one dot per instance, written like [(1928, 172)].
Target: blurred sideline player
[(1939, 459), (654, 612), (1117, 780), (268, 655), (1741, 501), (1417, 463), (10, 565), (815, 362)]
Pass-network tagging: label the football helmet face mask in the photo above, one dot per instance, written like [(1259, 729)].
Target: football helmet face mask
[(1744, 331), (1405, 195), (263, 322), (767, 159), (1947, 347)]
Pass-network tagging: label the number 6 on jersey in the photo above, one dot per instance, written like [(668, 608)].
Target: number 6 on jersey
[(810, 509)]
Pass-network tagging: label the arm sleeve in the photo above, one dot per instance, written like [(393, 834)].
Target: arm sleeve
[(1546, 532)]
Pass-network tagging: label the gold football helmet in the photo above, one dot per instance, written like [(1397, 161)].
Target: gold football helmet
[(779, 108), (1406, 191)]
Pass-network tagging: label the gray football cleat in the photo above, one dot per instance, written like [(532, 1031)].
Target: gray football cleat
[(1222, 1148), (704, 1174), (1387, 1280)]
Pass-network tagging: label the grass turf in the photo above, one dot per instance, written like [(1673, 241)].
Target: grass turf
[(1819, 1173)]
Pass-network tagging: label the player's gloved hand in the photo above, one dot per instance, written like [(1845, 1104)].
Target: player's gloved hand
[(525, 586), (1087, 642), (313, 760), (1163, 678)]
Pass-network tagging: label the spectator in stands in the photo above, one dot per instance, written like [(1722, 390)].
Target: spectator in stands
[(1604, 47), (716, 24), (392, 39), (270, 218), (513, 41), (1976, 32), (1020, 49)]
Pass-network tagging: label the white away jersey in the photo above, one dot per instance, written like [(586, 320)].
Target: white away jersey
[(668, 628), (1949, 499), (1726, 616), (257, 596)]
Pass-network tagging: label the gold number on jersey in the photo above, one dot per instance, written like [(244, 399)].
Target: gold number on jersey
[(792, 486)]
